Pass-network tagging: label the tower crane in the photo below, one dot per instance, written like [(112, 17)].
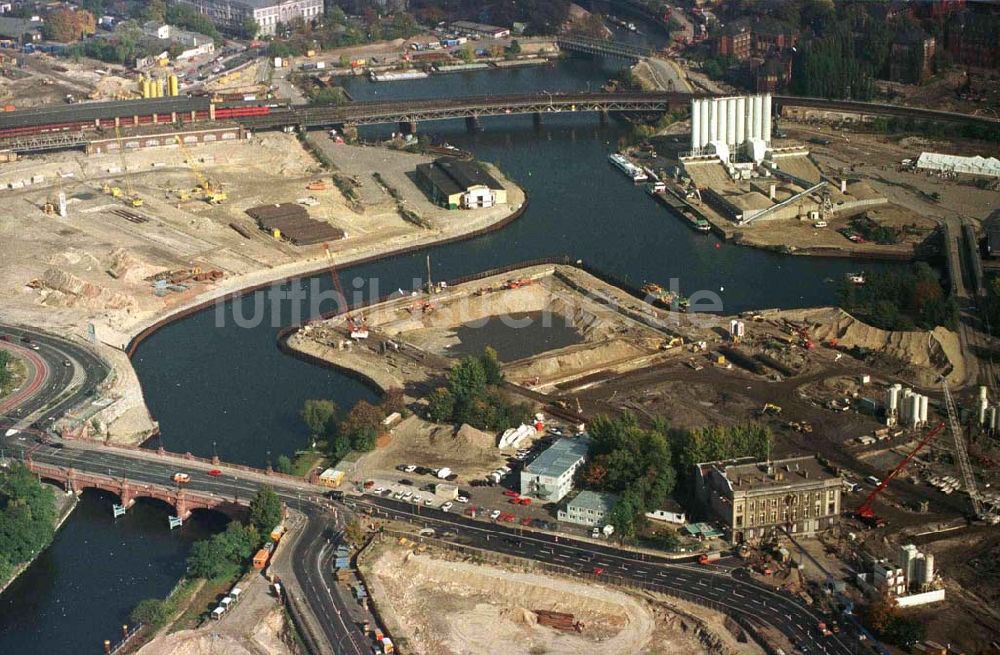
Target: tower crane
[(213, 194), (131, 197), (864, 512), (964, 464)]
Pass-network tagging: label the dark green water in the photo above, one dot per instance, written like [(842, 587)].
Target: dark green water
[(80, 591)]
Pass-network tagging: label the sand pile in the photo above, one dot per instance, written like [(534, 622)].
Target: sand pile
[(475, 438), (577, 359), (124, 265), (62, 289), (196, 642), (931, 354)]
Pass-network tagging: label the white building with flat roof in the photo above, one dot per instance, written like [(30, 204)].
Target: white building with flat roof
[(231, 14), (550, 476), (589, 508)]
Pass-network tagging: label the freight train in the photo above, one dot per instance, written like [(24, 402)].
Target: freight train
[(93, 116)]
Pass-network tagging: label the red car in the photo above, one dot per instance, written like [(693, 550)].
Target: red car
[(508, 517), (215, 473), (598, 570), (524, 501), (511, 493), (514, 501), (525, 521)]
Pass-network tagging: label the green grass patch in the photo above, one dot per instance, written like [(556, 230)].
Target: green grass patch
[(196, 602), (305, 462)]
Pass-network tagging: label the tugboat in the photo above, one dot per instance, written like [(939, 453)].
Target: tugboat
[(856, 278), (664, 298)]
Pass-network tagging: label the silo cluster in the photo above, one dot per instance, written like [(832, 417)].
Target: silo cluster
[(732, 121), (905, 407), (989, 415)]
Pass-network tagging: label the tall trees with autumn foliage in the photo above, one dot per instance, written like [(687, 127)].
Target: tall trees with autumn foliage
[(66, 25)]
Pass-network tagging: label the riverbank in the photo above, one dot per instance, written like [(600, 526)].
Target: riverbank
[(65, 504), (71, 282)]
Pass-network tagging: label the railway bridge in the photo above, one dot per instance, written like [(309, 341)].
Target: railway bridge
[(182, 500), (591, 46)]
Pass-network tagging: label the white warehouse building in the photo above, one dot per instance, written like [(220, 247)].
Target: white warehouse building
[(726, 125)]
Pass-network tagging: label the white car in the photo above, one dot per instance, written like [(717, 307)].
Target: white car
[(462, 499), (397, 495), (410, 469), (429, 502), (379, 490), (495, 514), (447, 506), (406, 496)]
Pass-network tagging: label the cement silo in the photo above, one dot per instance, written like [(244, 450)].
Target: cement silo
[(758, 118), (731, 131), (766, 135), (928, 576), (741, 119), (923, 409), (892, 399), (695, 126), (705, 121)]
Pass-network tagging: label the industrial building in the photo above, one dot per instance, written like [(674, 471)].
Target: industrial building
[(910, 579), (669, 512), (756, 500), (480, 30), (457, 183), (232, 14), (590, 508), (727, 126), (550, 476)]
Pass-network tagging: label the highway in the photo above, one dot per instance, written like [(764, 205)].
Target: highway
[(729, 591)]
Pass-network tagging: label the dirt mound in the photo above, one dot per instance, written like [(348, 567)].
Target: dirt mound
[(70, 290), (195, 642), (475, 438), (930, 354), (124, 265)]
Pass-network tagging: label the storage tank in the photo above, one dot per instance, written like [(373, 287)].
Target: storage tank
[(173, 85), (767, 118), (741, 120), (982, 393), (994, 417), (981, 411), (892, 399), (706, 121), (928, 568), (749, 119), (731, 122), (144, 84), (695, 126), (913, 409), (758, 118), (923, 409)]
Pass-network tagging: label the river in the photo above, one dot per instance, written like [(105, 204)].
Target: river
[(229, 389)]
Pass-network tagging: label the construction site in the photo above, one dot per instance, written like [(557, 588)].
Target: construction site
[(869, 403), (136, 231), (436, 602)]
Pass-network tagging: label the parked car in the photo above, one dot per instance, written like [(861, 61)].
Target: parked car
[(447, 506), (462, 499), (511, 493), (495, 514)]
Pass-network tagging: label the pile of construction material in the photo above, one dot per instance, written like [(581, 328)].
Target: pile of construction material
[(558, 620), (291, 221)]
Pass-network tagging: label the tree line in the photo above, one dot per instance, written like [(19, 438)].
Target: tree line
[(358, 429), (6, 375), (901, 299), (27, 517)]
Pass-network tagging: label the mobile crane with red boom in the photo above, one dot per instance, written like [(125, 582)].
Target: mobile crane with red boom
[(864, 512)]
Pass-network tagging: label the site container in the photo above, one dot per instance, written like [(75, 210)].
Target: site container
[(260, 559)]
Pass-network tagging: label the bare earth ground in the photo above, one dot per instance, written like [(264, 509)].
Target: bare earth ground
[(63, 274), (458, 607)]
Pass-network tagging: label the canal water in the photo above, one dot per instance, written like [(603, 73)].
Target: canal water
[(216, 385), (80, 591)]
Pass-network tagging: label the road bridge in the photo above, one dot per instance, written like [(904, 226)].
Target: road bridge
[(182, 500), (601, 47)]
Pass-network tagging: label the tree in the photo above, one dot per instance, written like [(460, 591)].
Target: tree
[(491, 366), (224, 554), (249, 28), (467, 380), (5, 374), (362, 425), (440, 405), (318, 416), (284, 464), (265, 510), (156, 10), (467, 54), (66, 25), (354, 532), (150, 611), (393, 401), (515, 47), (27, 516)]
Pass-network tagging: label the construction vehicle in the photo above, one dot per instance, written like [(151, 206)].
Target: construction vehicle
[(316, 185), (864, 512), (964, 465), (672, 342), (132, 199), (708, 558), (770, 409), (209, 191)]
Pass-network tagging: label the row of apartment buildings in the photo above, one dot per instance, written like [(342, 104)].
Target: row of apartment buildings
[(232, 14)]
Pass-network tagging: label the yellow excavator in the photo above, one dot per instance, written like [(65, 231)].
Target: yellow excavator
[(212, 194)]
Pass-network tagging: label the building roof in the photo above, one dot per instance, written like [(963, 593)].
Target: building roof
[(89, 111), (559, 457), (972, 165), (745, 474), (452, 175), (595, 500), (15, 27), (439, 179), (478, 27)]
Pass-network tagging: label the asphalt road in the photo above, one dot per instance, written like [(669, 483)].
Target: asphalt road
[(64, 388), (727, 590)]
